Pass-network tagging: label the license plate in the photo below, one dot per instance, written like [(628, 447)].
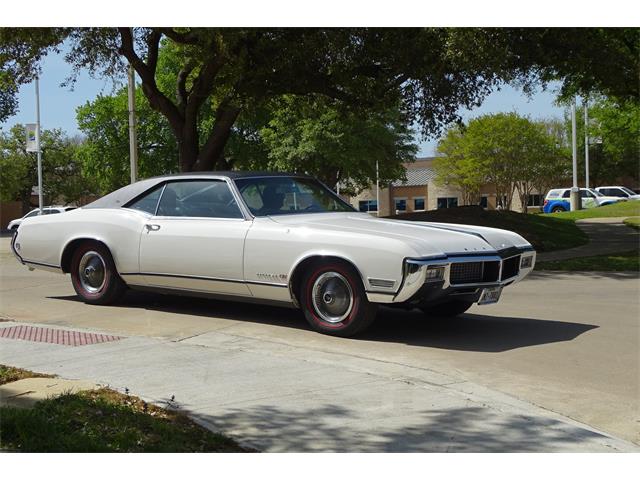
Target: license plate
[(490, 295)]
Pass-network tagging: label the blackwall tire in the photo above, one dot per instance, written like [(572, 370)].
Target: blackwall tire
[(334, 301), (94, 276)]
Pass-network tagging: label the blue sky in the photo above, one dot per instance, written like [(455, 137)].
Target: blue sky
[(58, 104)]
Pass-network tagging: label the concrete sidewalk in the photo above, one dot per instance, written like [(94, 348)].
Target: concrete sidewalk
[(284, 398), (606, 235)]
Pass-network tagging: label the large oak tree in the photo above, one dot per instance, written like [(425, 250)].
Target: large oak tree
[(430, 72)]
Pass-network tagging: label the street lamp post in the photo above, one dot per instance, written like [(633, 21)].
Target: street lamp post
[(39, 150), (576, 203), (586, 143)]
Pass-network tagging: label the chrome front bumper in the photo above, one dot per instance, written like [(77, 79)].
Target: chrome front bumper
[(415, 274)]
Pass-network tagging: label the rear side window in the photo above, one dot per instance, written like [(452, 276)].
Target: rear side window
[(566, 194), (148, 202)]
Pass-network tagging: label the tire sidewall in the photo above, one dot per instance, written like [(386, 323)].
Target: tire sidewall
[(109, 271), (307, 298)]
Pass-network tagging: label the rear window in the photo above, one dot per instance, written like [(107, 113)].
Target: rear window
[(553, 193)]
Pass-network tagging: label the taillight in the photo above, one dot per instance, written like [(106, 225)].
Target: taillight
[(545, 203)]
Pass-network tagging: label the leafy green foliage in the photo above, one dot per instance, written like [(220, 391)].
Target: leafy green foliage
[(429, 72), (614, 145), (312, 135), (105, 152), (508, 151), (62, 173)]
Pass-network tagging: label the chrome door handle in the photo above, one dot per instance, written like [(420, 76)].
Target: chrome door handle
[(152, 227)]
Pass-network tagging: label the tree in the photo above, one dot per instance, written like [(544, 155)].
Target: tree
[(614, 139), (510, 152), (104, 153), (431, 72), (62, 177), (312, 135)]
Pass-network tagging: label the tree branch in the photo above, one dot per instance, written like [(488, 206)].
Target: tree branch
[(147, 74)]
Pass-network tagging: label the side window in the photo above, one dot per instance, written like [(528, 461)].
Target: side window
[(31, 214), (148, 202), (198, 198), (616, 192), (566, 194)]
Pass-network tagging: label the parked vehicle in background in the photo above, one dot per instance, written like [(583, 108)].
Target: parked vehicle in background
[(14, 224), (620, 192), (557, 200), (271, 238)]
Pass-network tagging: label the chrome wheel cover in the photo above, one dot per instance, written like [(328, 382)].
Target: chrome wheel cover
[(332, 297), (92, 272)]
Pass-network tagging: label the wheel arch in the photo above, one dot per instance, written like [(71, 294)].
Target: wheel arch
[(297, 272), (71, 245)]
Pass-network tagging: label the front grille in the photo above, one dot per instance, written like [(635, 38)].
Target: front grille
[(510, 267), (466, 272), (474, 272)]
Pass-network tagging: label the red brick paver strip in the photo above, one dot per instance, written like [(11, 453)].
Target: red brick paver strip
[(71, 338)]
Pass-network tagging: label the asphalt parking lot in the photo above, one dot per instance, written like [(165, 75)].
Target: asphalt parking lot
[(563, 345)]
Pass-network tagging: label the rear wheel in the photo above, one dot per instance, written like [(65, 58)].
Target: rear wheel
[(94, 276), (334, 301), (447, 309), (557, 209)]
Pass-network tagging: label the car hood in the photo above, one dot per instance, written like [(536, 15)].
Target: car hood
[(426, 238)]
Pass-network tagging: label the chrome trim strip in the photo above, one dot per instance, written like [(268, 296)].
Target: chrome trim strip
[(50, 265), (213, 279)]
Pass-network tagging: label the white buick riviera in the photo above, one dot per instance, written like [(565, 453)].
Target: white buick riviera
[(271, 238)]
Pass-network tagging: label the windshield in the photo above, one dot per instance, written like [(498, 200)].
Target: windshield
[(627, 191), (595, 192), (288, 195)]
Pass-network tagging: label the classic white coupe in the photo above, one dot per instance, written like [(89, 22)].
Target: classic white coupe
[(271, 238)]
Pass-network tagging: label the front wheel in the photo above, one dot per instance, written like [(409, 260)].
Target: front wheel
[(447, 309), (334, 301), (94, 276)]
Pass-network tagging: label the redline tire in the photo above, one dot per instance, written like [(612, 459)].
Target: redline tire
[(358, 313), (103, 286), (447, 309)]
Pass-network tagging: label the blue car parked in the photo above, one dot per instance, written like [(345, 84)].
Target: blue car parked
[(557, 200)]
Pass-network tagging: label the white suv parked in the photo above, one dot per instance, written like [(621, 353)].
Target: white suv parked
[(622, 192)]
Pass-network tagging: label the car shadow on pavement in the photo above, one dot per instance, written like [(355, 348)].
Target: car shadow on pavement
[(336, 428), (468, 332)]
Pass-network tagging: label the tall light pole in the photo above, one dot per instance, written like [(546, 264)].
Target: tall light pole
[(39, 150), (576, 203), (586, 143), (133, 140), (377, 190)]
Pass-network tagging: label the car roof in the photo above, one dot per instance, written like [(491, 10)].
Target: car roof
[(124, 195)]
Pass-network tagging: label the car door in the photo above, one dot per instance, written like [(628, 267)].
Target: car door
[(195, 240), (588, 199)]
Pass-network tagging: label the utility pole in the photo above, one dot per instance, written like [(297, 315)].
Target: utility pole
[(133, 140), (586, 143), (576, 202), (377, 190), (39, 150)]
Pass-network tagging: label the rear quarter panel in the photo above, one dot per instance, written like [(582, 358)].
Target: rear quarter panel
[(43, 239)]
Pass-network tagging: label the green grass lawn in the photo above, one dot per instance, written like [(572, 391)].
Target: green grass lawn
[(633, 222), (545, 233), (12, 374), (105, 421), (620, 209), (616, 262)]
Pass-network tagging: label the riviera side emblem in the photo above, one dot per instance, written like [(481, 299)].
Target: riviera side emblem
[(273, 277)]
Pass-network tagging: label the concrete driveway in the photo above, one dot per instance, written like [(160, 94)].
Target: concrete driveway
[(557, 354)]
